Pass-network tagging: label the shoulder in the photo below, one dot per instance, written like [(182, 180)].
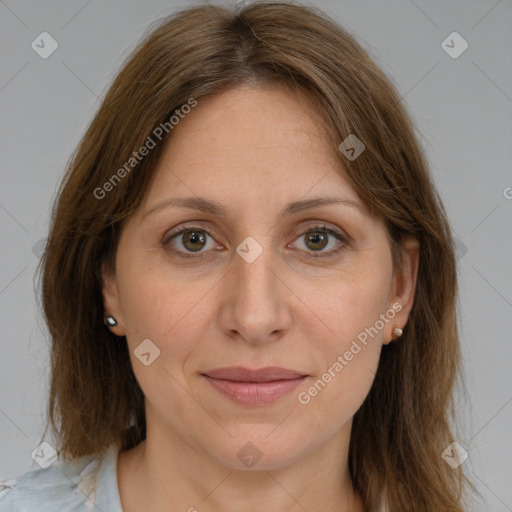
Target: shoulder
[(63, 486)]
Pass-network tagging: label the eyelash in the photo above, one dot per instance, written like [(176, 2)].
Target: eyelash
[(201, 255)]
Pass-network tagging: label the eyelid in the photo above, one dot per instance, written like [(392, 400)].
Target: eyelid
[(190, 226)]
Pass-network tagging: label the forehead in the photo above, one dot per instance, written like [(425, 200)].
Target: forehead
[(251, 138)]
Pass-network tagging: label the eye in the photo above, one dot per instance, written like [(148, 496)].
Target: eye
[(318, 238), (190, 240)]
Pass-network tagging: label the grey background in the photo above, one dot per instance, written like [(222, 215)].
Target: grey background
[(463, 112)]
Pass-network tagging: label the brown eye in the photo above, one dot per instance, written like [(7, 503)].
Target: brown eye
[(189, 241), (315, 240), (193, 240)]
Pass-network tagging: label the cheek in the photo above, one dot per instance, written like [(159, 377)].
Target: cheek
[(349, 355), (153, 300), (161, 311), (345, 375), (352, 306), (164, 310)]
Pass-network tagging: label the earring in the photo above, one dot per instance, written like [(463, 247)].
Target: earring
[(397, 332), (110, 321)]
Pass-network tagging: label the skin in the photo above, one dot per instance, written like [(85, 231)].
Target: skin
[(253, 149)]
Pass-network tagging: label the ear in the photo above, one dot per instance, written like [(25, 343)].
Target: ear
[(111, 302), (403, 287)]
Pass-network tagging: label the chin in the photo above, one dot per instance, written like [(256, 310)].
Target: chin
[(257, 449)]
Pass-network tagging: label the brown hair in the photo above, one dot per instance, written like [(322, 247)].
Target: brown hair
[(403, 426)]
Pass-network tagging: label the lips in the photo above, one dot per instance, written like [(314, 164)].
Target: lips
[(254, 387), (240, 374)]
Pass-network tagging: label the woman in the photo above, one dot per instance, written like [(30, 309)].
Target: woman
[(250, 284)]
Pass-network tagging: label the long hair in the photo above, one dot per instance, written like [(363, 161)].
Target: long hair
[(404, 424)]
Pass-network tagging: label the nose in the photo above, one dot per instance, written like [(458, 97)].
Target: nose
[(255, 304)]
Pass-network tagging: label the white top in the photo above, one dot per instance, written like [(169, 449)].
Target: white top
[(72, 486)]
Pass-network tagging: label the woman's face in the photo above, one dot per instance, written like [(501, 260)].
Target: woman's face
[(261, 276)]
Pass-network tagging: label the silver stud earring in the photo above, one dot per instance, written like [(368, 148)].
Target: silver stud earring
[(397, 332), (110, 321)]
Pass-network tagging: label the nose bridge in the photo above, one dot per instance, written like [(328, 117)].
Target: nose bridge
[(256, 282), (256, 293)]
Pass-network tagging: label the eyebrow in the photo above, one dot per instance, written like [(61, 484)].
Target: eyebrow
[(212, 207)]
